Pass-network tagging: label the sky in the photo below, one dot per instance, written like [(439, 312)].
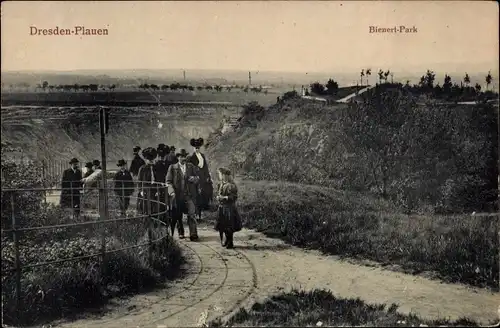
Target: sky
[(282, 36)]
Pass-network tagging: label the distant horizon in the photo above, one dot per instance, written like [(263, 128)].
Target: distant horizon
[(374, 70)]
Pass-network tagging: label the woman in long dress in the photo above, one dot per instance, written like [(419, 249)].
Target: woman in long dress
[(199, 160), (228, 220)]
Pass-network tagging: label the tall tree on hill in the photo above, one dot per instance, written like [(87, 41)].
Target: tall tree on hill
[(430, 77), (317, 88), (380, 76), (332, 86), (489, 78), (361, 75), (447, 85), (386, 74), (368, 73), (466, 79)]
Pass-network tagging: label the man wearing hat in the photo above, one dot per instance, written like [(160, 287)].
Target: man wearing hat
[(146, 182), (182, 185), (160, 172), (124, 186), (71, 185), (171, 158), (137, 162), (89, 169)]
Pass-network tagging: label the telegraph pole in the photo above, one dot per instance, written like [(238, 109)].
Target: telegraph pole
[(103, 195)]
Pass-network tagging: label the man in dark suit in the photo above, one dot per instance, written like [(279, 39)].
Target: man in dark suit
[(182, 186), (146, 182), (160, 173), (124, 186), (71, 185), (137, 162)]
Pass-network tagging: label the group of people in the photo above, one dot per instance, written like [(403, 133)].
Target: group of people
[(169, 185)]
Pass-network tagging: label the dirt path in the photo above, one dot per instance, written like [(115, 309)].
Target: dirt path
[(220, 280)]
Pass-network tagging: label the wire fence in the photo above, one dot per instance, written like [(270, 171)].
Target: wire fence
[(125, 215)]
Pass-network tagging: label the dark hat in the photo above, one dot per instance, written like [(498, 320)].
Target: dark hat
[(121, 162), (73, 161), (182, 153), (162, 150), (149, 153), (137, 148), (196, 143), (88, 165), (96, 162), (172, 148), (224, 171)]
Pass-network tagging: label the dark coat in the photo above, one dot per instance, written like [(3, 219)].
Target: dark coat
[(147, 187), (136, 164), (229, 219), (171, 159), (71, 184), (179, 183), (160, 170), (206, 186), (124, 183)]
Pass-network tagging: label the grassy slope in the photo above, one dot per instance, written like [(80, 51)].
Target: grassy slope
[(457, 248), (321, 308)]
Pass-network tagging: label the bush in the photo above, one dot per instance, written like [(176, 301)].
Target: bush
[(457, 248), (425, 158)]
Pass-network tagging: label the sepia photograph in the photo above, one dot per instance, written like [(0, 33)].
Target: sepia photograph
[(250, 163)]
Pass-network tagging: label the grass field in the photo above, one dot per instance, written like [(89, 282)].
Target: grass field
[(319, 308), (458, 248), (133, 97)]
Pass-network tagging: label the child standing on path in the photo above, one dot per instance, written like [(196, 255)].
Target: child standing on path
[(228, 219)]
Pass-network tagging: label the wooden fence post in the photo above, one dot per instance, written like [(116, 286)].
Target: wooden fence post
[(15, 238)]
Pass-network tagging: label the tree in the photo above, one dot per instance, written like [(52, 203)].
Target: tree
[(361, 74), (386, 74), (45, 84), (317, 88), (164, 87), (190, 88), (430, 76), (368, 73), (228, 88), (76, 87), (447, 85), (466, 79), (199, 88), (112, 87), (332, 86), (489, 78), (380, 76), (478, 88)]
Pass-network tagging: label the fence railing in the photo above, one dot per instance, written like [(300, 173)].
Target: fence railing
[(23, 207)]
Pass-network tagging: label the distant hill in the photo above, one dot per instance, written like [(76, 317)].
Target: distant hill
[(276, 79)]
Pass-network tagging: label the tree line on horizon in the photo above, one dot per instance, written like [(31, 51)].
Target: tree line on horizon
[(426, 85), (46, 86)]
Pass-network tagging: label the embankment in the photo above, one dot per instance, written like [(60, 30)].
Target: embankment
[(385, 180)]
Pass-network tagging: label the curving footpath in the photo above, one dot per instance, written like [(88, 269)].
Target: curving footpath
[(218, 281)]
